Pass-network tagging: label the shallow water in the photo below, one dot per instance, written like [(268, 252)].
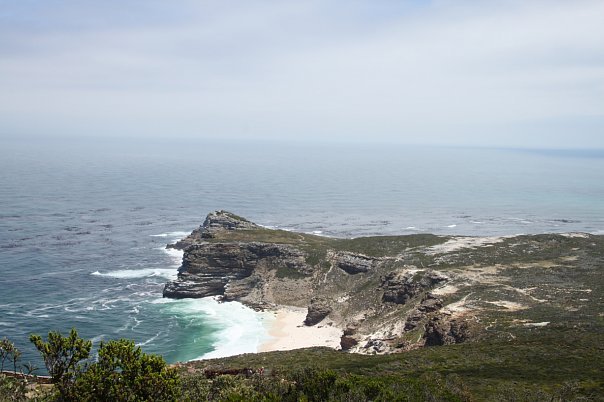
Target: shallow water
[(83, 226)]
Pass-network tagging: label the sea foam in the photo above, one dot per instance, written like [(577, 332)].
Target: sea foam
[(175, 255), (168, 273), (171, 234), (239, 329)]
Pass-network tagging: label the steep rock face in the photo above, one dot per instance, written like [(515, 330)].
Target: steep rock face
[(353, 263), (209, 268), (401, 286)]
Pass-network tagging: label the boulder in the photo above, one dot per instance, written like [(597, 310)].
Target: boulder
[(318, 309), (348, 342)]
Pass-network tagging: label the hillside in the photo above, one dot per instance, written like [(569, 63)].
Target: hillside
[(397, 293)]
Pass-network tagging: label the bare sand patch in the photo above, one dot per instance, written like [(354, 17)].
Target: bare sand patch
[(536, 324), (508, 305), (461, 242), (288, 332), (575, 234), (445, 290)]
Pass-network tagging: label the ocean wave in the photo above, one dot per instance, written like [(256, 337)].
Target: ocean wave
[(168, 273), (171, 234), (174, 254)]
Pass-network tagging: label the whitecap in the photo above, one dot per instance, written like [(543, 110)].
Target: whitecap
[(168, 273), (410, 228), (149, 340), (171, 234), (316, 233), (452, 226)]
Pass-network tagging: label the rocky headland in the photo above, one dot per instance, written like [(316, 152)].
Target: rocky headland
[(395, 293)]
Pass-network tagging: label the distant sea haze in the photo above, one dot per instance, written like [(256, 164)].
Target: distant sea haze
[(83, 226)]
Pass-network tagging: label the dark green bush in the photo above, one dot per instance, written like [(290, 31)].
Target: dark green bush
[(63, 356), (124, 373)]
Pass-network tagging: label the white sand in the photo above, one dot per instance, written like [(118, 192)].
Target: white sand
[(289, 332), (461, 242)]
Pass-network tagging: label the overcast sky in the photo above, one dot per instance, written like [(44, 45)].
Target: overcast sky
[(503, 73)]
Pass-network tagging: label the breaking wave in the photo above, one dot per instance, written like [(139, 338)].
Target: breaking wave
[(168, 273)]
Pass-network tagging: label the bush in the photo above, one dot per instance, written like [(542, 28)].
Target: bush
[(121, 373), (8, 351), (124, 373), (62, 358)]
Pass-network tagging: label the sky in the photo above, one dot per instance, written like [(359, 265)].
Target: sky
[(524, 73)]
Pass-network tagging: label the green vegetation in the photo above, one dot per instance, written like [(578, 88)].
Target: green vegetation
[(552, 364), (540, 365), (316, 246), (10, 353), (121, 372), (62, 357), (124, 373), (312, 384)]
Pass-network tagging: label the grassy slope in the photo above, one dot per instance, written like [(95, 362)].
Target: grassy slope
[(543, 360)]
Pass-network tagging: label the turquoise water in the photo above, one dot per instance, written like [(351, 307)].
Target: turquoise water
[(83, 226)]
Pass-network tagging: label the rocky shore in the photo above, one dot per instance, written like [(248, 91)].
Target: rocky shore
[(395, 293)]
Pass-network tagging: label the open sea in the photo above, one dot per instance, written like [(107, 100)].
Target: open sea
[(84, 225)]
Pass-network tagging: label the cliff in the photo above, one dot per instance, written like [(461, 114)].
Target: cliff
[(395, 293)]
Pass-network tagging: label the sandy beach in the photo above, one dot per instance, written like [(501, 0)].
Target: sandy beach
[(289, 332)]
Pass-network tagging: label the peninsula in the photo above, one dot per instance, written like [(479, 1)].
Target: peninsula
[(388, 294)]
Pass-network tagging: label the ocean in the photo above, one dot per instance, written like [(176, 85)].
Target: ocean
[(84, 224)]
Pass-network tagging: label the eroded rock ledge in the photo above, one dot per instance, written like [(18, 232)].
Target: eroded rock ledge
[(389, 293)]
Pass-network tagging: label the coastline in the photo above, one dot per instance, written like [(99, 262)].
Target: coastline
[(288, 332)]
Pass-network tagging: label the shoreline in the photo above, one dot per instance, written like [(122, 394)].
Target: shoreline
[(288, 332)]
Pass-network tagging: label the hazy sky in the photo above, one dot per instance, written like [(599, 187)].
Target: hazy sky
[(506, 73)]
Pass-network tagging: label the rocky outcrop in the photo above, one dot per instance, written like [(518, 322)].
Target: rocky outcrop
[(441, 330), (348, 340), (401, 286), (429, 304), (223, 220), (318, 309), (215, 222), (353, 263), (225, 269)]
